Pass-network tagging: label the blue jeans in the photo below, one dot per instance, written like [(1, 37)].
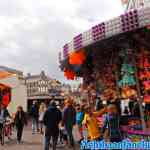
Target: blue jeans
[(70, 134), (35, 127)]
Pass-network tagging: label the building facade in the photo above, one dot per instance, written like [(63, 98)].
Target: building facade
[(42, 88)]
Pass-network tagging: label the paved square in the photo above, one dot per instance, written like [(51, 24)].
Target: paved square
[(30, 142)]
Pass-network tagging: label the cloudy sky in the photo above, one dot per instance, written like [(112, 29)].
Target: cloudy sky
[(32, 32)]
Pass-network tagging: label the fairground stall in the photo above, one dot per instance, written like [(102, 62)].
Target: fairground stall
[(113, 58)]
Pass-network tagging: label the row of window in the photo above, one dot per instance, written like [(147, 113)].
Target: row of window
[(37, 90), (37, 83)]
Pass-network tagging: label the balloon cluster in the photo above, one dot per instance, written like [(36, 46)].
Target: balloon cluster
[(69, 74), (77, 58)]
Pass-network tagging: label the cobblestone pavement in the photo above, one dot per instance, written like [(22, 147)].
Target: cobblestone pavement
[(30, 142)]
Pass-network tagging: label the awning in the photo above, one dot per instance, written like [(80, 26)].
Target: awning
[(4, 74), (3, 86)]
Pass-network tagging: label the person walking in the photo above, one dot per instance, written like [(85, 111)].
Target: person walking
[(35, 117), (69, 120), (42, 110), (51, 120), (20, 120)]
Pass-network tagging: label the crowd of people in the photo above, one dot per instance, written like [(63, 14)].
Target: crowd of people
[(70, 123)]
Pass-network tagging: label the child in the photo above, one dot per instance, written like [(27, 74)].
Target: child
[(63, 135)]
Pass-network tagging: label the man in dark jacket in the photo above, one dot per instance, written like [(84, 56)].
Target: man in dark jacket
[(35, 117), (69, 120), (51, 120)]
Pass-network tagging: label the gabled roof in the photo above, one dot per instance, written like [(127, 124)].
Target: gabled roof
[(4, 74), (10, 70)]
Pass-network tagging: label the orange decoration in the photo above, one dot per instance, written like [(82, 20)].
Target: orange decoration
[(70, 75), (77, 58), (128, 92), (147, 98), (146, 85)]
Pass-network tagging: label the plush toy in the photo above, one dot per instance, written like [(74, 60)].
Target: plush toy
[(70, 75), (128, 92), (146, 85), (127, 68), (110, 94), (147, 98), (127, 80)]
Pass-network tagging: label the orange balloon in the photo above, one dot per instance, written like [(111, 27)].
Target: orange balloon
[(70, 75), (77, 58)]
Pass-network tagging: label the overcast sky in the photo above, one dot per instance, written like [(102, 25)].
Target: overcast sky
[(32, 32)]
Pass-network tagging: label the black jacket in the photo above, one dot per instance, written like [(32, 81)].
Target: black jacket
[(52, 118), (20, 119), (6, 113), (35, 111)]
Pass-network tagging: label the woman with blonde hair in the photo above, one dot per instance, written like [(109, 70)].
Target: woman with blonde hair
[(42, 110)]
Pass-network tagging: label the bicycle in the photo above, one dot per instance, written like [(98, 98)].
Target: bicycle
[(6, 130)]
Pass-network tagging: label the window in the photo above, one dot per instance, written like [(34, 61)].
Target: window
[(46, 89)]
